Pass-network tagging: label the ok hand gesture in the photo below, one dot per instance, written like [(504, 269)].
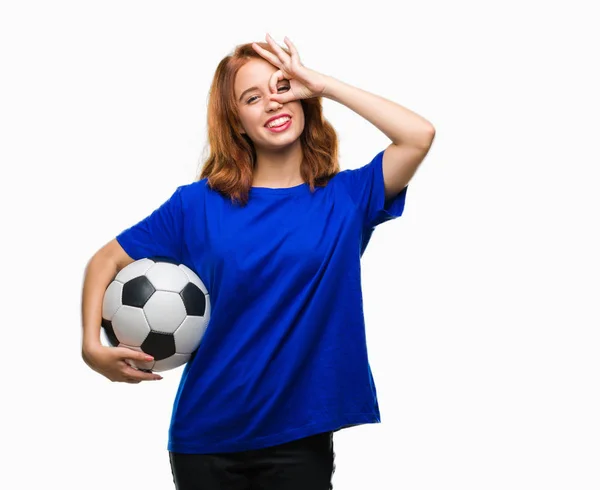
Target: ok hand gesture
[(304, 82)]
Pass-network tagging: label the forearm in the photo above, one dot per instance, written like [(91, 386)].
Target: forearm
[(99, 273), (398, 123)]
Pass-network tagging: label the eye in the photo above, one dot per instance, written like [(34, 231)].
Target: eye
[(251, 99)]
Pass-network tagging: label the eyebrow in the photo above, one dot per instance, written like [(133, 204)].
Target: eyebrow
[(246, 91)]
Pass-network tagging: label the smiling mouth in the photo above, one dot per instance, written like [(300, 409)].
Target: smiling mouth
[(283, 121)]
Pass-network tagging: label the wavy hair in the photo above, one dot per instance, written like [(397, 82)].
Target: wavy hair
[(232, 156)]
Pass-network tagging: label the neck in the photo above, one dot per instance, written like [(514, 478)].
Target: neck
[(279, 168)]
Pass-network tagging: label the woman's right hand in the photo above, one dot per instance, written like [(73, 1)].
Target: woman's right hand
[(111, 363)]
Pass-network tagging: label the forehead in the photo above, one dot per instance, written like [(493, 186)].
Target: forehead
[(254, 72)]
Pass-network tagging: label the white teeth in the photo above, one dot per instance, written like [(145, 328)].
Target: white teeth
[(278, 122)]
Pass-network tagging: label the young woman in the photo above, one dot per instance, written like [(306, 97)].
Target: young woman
[(276, 232)]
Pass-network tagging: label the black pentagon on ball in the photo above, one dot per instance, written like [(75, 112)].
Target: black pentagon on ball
[(110, 333), (137, 292), (159, 345), (193, 300)]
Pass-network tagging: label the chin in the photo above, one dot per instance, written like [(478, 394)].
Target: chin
[(288, 137)]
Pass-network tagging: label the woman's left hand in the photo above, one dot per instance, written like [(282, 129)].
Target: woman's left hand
[(304, 82)]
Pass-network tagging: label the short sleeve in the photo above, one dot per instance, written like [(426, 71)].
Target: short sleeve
[(158, 235), (366, 186)]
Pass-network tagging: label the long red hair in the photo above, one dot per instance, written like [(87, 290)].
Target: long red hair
[(230, 163)]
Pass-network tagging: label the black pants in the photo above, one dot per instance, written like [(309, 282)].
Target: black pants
[(302, 464)]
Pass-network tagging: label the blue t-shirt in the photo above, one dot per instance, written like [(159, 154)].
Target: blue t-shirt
[(284, 355)]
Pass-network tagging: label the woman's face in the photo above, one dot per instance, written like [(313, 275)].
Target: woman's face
[(255, 108)]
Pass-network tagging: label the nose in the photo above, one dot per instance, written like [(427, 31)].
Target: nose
[(273, 105)]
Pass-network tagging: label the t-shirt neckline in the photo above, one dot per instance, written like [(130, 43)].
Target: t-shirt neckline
[(296, 189)]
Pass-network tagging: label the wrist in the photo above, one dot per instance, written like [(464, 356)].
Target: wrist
[(331, 85), (88, 346)]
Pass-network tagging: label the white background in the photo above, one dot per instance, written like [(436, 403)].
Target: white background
[(481, 300)]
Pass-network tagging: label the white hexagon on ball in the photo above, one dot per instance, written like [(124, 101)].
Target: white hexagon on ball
[(164, 311), (130, 325), (112, 300), (165, 276), (135, 269)]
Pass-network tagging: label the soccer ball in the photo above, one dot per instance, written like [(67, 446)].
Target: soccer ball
[(159, 307)]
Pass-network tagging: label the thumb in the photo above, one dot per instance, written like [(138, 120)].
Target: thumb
[(135, 355), (281, 98)]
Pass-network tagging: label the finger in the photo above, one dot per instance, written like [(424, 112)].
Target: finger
[(274, 79), (270, 57), (282, 98), (292, 48), (137, 375), (283, 56), (134, 355)]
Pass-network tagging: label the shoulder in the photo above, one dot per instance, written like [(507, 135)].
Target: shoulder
[(192, 190), (368, 166), (354, 179)]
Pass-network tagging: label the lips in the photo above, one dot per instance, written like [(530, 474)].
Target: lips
[(276, 117), (280, 129)]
